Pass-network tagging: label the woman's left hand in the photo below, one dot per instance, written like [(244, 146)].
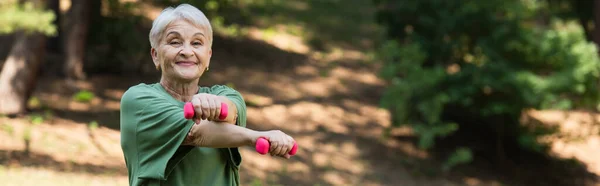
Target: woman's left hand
[(207, 106)]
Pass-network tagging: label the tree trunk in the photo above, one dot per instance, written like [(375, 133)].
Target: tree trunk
[(596, 31), (20, 71), (53, 44), (77, 28)]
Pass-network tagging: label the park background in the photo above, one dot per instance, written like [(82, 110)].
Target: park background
[(376, 92)]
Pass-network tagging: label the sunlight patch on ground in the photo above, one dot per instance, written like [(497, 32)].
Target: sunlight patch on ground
[(62, 102), (37, 176), (326, 158), (358, 76), (341, 81), (315, 127), (409, 149), (578, 137), (339, 54), (257, 100), (307, 70), (575, 123), (314, 88), (280, 39), (115, 94), (470, 181), (338, 163), (66, 143)]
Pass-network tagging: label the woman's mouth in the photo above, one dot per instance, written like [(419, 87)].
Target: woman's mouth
[(185, 63)]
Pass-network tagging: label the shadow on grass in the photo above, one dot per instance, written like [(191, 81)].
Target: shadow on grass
[(388, 165), (322, 23), (513, 165), (39, 160)]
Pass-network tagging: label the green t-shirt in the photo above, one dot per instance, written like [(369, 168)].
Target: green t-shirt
[(152, 130)]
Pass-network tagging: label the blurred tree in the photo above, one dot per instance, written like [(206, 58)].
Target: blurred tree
[(115, 45), (54, 42), (477, 65), (586, 12), (596, 11), (76, 29), (30, 22)]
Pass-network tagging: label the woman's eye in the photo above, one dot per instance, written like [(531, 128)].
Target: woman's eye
[(196, 43), (174, 43)]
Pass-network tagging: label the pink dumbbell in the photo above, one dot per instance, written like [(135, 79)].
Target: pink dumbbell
[(188, 111), (262, 144)]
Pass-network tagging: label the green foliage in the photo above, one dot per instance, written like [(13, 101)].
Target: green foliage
[(27, 134), (93, 125), (83, 96), (460, 156), (34, 102), (457, 64), (48, 114), (8, 129), (36, 119), (26, 17), (256, 182), (230, 85)]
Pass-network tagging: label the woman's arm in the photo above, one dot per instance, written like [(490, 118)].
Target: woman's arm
[(216, 135)]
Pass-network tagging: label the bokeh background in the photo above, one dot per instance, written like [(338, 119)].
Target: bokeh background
[(376, 92)]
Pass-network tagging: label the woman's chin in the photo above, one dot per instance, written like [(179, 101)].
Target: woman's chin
[(189, 74)]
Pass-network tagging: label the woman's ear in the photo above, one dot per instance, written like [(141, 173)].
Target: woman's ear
[(154, 55), (209, 56)]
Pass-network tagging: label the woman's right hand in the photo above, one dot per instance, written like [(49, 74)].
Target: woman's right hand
[(280, 143), (207, 107)]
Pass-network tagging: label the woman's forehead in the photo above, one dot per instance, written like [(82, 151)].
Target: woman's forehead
[(181, 25)]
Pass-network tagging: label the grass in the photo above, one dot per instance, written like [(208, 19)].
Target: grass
[(83, 96), (93, 125), (25, 176), (8, 129)]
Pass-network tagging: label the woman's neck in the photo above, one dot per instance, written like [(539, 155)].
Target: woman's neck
[(182, 91)]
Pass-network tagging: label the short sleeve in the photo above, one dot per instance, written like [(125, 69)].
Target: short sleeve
[(160, 129), (240, 104)]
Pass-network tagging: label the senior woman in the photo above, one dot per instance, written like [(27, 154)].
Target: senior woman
[(160, 146)]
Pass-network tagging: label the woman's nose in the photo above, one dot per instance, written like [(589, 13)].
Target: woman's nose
[(186, 51)]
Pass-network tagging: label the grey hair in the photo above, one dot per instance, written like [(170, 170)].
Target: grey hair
[(184, 11)]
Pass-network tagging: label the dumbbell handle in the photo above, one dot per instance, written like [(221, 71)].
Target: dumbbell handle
[(262, 144)]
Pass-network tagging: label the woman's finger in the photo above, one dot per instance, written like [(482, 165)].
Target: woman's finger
[(197, 107), (274, 144), (213, 111), (205, 107), (280, 149), (217, 108)]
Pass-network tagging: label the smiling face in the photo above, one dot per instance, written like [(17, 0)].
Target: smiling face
[(183, 52)]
